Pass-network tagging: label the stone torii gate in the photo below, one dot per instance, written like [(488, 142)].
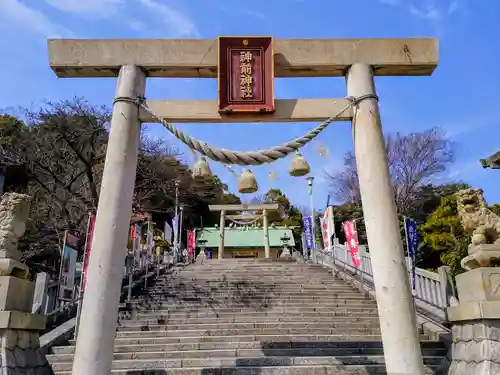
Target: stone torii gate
[(224, 208), (358, 60)]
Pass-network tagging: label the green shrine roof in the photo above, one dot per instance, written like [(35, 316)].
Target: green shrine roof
[(240, 237)]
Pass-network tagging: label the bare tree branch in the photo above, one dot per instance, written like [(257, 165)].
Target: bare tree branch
[(414, 160)]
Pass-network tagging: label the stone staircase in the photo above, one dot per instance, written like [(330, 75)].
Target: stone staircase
[(249, 317)]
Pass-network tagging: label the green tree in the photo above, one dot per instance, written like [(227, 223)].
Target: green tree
[(62, 148), (287, 215), (444, 236), (495, 208)]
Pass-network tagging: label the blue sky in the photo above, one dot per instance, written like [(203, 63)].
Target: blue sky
[(461, 97)]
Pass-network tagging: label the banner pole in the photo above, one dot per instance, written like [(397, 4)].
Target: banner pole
[(82, 277), (60, 269)]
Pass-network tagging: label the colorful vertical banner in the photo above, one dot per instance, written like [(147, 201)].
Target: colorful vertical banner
[(132, 234), (175, 228), (191, 243), (67, 271), (167, 233), (351, 237), (411, 232), (327, 228), (150, 241), (88, 247), (308, 234), (2, 181), (137, 245)]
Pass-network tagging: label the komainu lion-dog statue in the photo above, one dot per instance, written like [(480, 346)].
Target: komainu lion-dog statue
[(484, 227)]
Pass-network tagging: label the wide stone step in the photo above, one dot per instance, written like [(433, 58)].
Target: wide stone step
[(238, 338), (341, 347), (279, 294), (312, 293), (214, 313), (307, 282), (365, 310), (257, 280), (162, 362), (252, 331), (245, 319), (260, 304), (158, 352), (276, 370), (252, 325), (251, 297)]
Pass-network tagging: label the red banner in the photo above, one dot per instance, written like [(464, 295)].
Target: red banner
[(86, 257), (246, 74), (191, 243), (351, 237)]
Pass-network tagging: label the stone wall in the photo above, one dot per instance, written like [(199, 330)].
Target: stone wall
[(20, 354), (476, 348)]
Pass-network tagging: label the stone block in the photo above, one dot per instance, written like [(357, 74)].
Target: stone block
[(22, 320), (16, 294), (480, 284), (474, 310), (12, 267)]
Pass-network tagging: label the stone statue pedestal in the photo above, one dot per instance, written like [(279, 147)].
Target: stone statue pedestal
[(476, 323), (19, 329)]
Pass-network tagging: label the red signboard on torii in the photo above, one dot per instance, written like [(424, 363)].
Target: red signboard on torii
[(246, 74)]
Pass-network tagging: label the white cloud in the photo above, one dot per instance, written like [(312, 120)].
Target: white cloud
[(177, 22), (137, 25), (431, 10), (94, 7), (34, 19)]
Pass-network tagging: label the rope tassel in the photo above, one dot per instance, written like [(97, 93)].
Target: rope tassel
[(300, 166), (247, 183), (201, 170)]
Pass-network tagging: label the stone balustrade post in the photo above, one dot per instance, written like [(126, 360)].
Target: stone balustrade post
[(476, 318)]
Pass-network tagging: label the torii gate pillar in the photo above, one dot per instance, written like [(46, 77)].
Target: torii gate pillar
[(95, 342), (395, 306)]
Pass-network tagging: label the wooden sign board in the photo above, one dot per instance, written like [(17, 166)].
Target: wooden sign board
[(246, 74)]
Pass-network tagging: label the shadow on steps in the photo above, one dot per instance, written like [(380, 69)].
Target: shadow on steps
[(246, 294)]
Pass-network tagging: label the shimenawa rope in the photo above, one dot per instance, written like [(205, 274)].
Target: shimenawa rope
[(249, 157)]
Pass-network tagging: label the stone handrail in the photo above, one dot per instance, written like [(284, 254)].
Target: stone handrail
[(64, 319), (429, 295), (50, 301)]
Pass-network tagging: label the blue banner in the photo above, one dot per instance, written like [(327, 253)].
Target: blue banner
[(308, 234), (412, 245)]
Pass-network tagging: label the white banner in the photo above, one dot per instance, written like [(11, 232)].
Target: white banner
[(167, 233), (175, 227), (68, 270), (150, 241), (327, 228)]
